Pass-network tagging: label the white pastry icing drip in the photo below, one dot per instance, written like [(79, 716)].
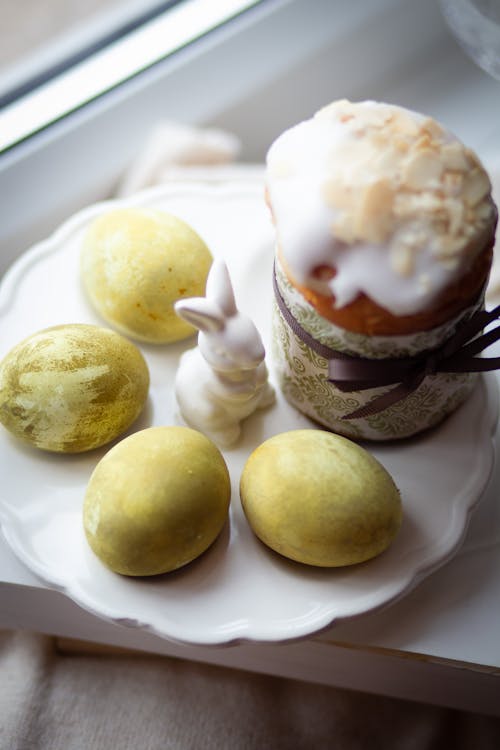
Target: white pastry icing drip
[(385, 196)]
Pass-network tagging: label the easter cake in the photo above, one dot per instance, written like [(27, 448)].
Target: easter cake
[(384, 226)]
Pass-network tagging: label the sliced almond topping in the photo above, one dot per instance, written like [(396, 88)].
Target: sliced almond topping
[(452, 182), (447, 247), (428, 202), (337, 195), (408, 204), (401, 144), (375, 118), (434, 128), (402, 260), (404, 204), (385, 162), (424, 142), (374, 211), (422, 169), (377, 197), (440, 225), (484, 211), (473, 158), (400, 180), (414, 238), (333, 110), (456, 215), (477, 187), (454, 157), (405, 124)]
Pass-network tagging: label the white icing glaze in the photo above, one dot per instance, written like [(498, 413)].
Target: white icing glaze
[(224, 379), (386, 196)]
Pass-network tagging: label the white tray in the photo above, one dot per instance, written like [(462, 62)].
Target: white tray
[(238, 590)]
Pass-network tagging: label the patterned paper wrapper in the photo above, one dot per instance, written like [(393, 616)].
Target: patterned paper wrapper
[(302, 374)]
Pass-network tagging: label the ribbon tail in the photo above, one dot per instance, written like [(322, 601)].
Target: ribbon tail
[(474, 364), (387, 399), (475, 346), (467, 332)]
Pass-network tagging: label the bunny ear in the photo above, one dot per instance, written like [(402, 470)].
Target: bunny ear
[(201, 313), (220, 289)]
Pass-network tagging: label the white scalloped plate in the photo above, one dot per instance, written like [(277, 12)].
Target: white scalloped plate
[(238, 590)]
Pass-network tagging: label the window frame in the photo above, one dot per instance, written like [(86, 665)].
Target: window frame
[(120, 56)]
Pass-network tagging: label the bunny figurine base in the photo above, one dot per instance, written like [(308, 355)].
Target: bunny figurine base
[(224, 379)]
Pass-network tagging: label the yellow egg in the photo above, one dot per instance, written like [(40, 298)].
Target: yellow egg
[(320, 499), (72, 387), (156, 501), (136, 263)]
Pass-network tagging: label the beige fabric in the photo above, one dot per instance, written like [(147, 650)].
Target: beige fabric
[(53, 701)]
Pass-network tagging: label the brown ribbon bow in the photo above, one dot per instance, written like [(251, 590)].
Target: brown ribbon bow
[(456, 354)]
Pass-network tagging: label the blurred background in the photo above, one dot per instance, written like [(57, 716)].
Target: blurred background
[(35, 27)]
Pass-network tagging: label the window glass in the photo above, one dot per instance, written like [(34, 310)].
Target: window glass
[(65, 53), (42, 37)]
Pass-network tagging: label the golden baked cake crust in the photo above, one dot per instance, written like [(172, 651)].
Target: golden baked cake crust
[(366, 317)]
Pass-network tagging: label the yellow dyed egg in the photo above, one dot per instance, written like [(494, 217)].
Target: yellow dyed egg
[(135, 264), (320, 499), (156, 501), (72, 387)]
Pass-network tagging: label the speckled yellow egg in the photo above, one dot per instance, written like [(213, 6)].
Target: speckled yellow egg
[(72, 387), (320, 499), (156, 501), (135, 264)]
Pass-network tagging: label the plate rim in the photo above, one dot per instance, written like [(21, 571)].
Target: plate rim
[(489, 416)]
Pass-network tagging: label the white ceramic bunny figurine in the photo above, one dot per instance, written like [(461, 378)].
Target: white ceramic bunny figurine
[(224, 379)]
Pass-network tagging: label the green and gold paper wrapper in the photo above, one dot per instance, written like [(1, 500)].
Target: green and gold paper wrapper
[(302, 374)]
